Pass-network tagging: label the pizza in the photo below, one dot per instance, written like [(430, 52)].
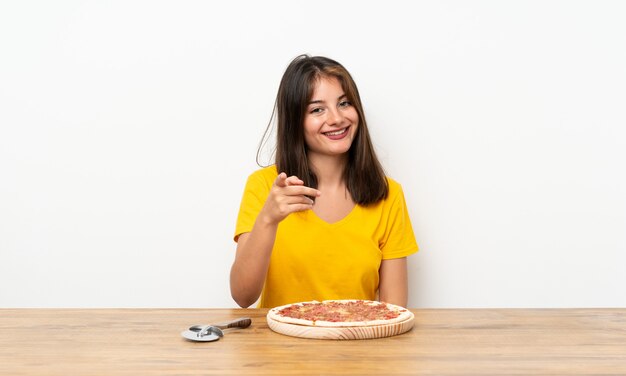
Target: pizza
[(340, 313)]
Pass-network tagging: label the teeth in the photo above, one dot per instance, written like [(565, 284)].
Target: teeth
[(336, 132)]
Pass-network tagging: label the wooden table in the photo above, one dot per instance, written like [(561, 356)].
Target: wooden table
[(443, 342)]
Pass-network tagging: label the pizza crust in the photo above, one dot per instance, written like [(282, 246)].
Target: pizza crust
[(404, 314)]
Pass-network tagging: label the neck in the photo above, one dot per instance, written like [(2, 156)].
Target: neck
[(328, 169)]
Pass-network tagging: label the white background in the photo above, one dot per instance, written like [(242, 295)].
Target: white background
[(128, 128)]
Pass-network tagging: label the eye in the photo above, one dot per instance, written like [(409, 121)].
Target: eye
[(345, 104), (316, 110)]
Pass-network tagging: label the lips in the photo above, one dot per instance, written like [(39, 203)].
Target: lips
[(337, 135)]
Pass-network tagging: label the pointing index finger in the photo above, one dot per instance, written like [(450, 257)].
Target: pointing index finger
[(294, 180), (281, 180), (304, 190)]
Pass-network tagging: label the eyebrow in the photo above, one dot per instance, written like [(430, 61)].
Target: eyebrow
[(321, 101)]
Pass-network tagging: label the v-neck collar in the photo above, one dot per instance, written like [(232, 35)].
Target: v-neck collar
[(340, 222)]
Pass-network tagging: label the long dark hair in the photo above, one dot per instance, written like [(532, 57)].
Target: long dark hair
[(363, 174)]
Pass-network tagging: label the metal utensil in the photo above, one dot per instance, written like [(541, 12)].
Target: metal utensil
[(216, 329), (193, 336), (203, 330)]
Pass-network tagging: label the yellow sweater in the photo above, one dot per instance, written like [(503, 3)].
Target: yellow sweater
[(316, 260)]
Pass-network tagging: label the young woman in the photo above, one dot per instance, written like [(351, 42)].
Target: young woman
[(324, 222)]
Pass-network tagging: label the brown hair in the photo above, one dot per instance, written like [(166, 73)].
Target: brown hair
[(364, 175)]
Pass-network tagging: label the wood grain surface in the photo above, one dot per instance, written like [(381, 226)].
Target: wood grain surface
[(442, 342), (347, 333)]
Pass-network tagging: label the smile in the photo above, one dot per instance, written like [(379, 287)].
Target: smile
[(336, 133)]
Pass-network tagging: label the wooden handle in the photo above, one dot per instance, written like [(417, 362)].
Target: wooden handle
[(243, 322)]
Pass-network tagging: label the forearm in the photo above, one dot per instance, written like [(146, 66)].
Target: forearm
[(248, 272), (393, 285), (287, 195)]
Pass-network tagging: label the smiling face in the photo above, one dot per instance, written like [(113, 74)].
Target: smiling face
[(330, 121)]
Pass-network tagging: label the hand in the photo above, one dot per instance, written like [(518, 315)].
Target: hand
[(287, 195)]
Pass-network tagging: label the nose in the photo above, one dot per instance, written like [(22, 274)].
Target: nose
[(335, 117)]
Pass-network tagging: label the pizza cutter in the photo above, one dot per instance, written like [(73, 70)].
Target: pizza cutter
[(201, 336), (207, 333)]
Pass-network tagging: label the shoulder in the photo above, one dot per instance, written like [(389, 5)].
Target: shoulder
[(264, 175), (395, 190), (258, 185)]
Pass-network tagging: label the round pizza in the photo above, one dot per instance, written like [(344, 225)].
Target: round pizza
[(340, 313)]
